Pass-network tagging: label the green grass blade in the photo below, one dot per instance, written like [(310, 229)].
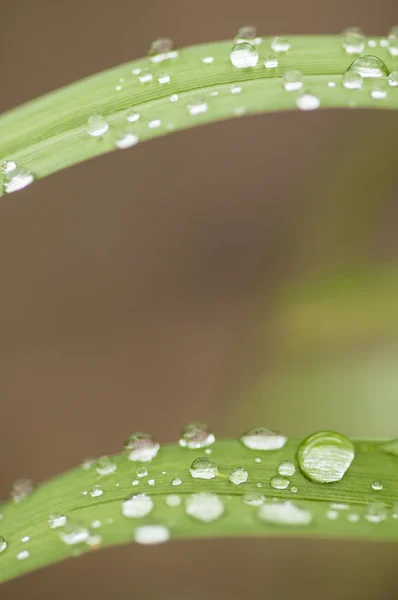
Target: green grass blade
[(64, 495), (49, 134)]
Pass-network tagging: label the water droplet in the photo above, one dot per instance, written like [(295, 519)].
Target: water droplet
[(173, 500), (353, 517), (238, 476), (261, 438), (248, 32), (271, 62), (196, 435), (372, 43), (135, 482), (126, 140), (154, 124), (162, 49), (105, 466), (207, 60), (3, 544), (353, 40), (332, 515), (74, 533), (279, 483), (137, 506), (339, 506), (280, 44), (352, 80), (176, 481), (375, 512), (96, 524), (257, 459), (259, 484), (204, 506), (395, 510), (151, 534), (325, 456), (383, 43), (173, 98), (145, 76), (393, 79), (244, 56), (236, 89), (377, 486), (293, 489), (393, 41), (286, 468), (87, 464), (203, 468), (25, 539), (94, 541), (23, 555), (253, 498), (151, 482), (208, 451), (15, 178), (21, 489), (197, 106), (379, 90), (308, 101), (141, 472), (370, 66), (97, 126), (132, 115), (292, 81), (96, 491), (141, 446), (164, 78), (284, 513)]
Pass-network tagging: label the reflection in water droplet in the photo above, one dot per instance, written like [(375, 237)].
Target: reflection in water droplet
[(377, 486), (23, 554), (325, 456), (284, 513), (261, 438), (132, 115), (105, 465), (141, 447), (279, 483), (151, 534), (15, 178), (286, 468), (196, 435), (21, 489), (96, 491), (253, 498), (280, 44), (176, 481), (3, 544), (370, 67), (375, 512), (308, 101), (137, 506), (173, 500), (204, 507), (271, 62), (161, 50), (163, 78), (352, 80), (353, 40), (292, 81), (238, 476), (197, 106), (203, 468), (126, 140), (97, 126), (244, 56), (379, 90)]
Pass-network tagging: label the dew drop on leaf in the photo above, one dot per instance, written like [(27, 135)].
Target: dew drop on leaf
[(105, 465), (97, 126), (271, 62), (353, 40), (21, 489), (141, 472), (325, 456), (23, 555), (352, 80), (15, 178), (141, 447), (96, 491), (286, 468), (238, 476), (203, 468), (246, 33), (377, 486), (279, 483), (280, 44), (196, 435), (393, 79), (253, 498), (204, 507), (244, 56), (292, 81), (379, 90), (370, 67), (151, 534), (74, 533), (137, 506), (162, 49), (132, 115), (173, 500), (176, 481), (261, 438), (3, 544), (126, 140), (375, 512), (308, 101), (56, 521), (197, 106), (284, 513)]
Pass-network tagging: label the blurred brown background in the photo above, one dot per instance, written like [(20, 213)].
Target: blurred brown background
[(143, 290)]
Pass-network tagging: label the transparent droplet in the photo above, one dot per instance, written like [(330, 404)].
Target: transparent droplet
[(370, 67), (87, 464), (141, 447), (135, 482), (393, 45), (141, 472), (246, 33), (151, 482), (96, 524), (286, 468), (164, 78), (137, 506), (132, 115), (23, 555), (203, 468), (293, 489), (279, 483), (238, 476), (197, 106), (292, 81), (151, 534), (126, 140), (236, 89), (325, 456), (204, 507), (21, 489), (280, 44), (207, 60), (331, 84), (25, 539), (96, 491), (271, 62), (375, 512), (259, 484), (145, 76), (74, 533), (56, 521), (395, 510), (339, 506), (94, 541), (284, 513), (176, 481), (173, 98), (253, 498), (379, 90), (154, 124), (377, 486), (372, 43), (244, 55), (353, 40), (196, 435), (173, 500), (97, 126), (15, 178), (162, 49), (352, 80), (393, 79), (308, 101), (3, 544), (261, 438), (105, 465)]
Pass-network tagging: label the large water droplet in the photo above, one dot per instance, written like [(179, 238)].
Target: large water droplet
[(238, 476), (15, 178), (286, 468), (141, 472), (280, 44), (279, 483), (375, 512), (261, 438), (105, 465), (97, 126), (244, 55), (204, 507), (21, 489), (308, 101), (161, 50), (203, 468), (284, 513), (352, 80), (151, 534), (292, 81), (74, 533), (325, 456), (137, 506), (196, 435), (370, 66), (96, 491), (3, 544), (353, 40), (142, 447)]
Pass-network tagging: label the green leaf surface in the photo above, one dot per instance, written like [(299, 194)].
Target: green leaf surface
[(63, 495), (49, 134)]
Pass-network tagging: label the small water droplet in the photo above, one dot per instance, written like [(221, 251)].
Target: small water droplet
[(375, 512), (257, 459), (23, 555), (331, 84), (393, 79), (207, 60), (74, 533), (280, 44), (236, 89), (21, 489), (126, 140), (196, 435), (353, 40), (137, 506), (203, 468), (325, 456), (377, 486), (308, 101), (284, 513), (261, 438), (97, 126), (105, 465), (244, 56), (379, 90), (395, 510), (161, 50), (253, 498), (3, 544), (332, 515), (141, 472), (15, 178), (339, 506), (245, 33), (204, 506), (292, 81), (392, 41), (87, 464), (176, 481), (173, 500), (293, 489), (353, 517), (279, 483), (208, 451), (145, 76), (132, 115), (238, 476), (135, 482), (164, 78), (151, 534), (96, 524), (96, 491), (352, 80), (173, 98), (154, 124), (259, 484), (25, 539), (151, 482), (286, 468), (141, 446), (372, 43), (370, 67), (271, 62), (197, 106)]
